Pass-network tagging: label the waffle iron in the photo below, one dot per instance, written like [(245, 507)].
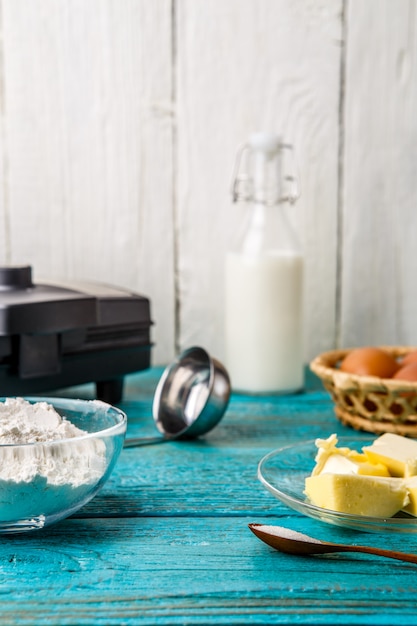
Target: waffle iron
[(54, 336)]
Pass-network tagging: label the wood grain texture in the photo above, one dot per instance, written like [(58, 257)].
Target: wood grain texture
[(247, 66), (166, 541), (4, 203), (119, 123), (380, 165), (88, 122), (198, 571)]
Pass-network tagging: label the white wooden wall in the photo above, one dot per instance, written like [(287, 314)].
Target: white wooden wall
[(119, 121)]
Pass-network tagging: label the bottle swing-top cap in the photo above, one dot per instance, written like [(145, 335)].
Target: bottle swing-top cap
[(262, 180)]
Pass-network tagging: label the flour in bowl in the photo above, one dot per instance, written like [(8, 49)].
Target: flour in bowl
[(23, 422), (49, 475)]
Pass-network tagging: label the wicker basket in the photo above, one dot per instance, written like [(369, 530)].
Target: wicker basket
[(376, 405)]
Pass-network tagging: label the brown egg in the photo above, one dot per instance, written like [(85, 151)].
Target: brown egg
[(411, 357), (408, 372), (369, 362)]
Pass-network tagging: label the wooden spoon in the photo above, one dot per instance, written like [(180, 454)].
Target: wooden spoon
[(292, 542)]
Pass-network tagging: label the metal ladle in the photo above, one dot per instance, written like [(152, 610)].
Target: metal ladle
[(190, 398)]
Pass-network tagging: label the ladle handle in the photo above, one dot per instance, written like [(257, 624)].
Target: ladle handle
[(135, 442)]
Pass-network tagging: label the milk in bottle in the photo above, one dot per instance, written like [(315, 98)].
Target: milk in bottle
[(264, 282)]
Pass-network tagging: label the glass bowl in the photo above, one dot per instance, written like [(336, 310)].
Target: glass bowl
[(283, 472), (44, 482)]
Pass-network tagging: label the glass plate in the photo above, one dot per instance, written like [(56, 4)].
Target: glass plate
[(283, 473)]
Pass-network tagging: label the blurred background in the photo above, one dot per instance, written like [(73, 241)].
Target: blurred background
[(119, 124)]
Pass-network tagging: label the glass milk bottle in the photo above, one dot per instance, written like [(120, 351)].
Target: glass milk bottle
[(264, 278)]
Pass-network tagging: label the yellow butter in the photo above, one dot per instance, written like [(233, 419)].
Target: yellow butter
[(397, 453), (371, 496), (412, 494), (339, 464), (334, 460)]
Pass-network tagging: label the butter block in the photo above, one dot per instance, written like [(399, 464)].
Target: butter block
[(412, 493), (334, 460), (371, 496), (397, 453), (339, 464)]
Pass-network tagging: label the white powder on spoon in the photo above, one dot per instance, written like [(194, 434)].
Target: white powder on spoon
[(43, 479), (285, 533)]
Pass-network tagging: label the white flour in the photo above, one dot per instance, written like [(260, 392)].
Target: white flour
[(43, 479)]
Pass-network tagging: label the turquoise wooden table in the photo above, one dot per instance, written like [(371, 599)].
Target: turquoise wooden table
[(166, 541)]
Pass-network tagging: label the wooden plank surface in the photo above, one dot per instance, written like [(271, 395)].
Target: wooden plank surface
[(119, 123), (87, 106), (380, 195), (166, 541), (196, 571), (247, 66)]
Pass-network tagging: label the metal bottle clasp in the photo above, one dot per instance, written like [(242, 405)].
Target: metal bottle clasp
[(242, 187)]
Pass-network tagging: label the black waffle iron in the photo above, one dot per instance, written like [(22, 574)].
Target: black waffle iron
[(55, 336)]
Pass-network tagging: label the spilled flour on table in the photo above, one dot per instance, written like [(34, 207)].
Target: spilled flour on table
[(43, 479)]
